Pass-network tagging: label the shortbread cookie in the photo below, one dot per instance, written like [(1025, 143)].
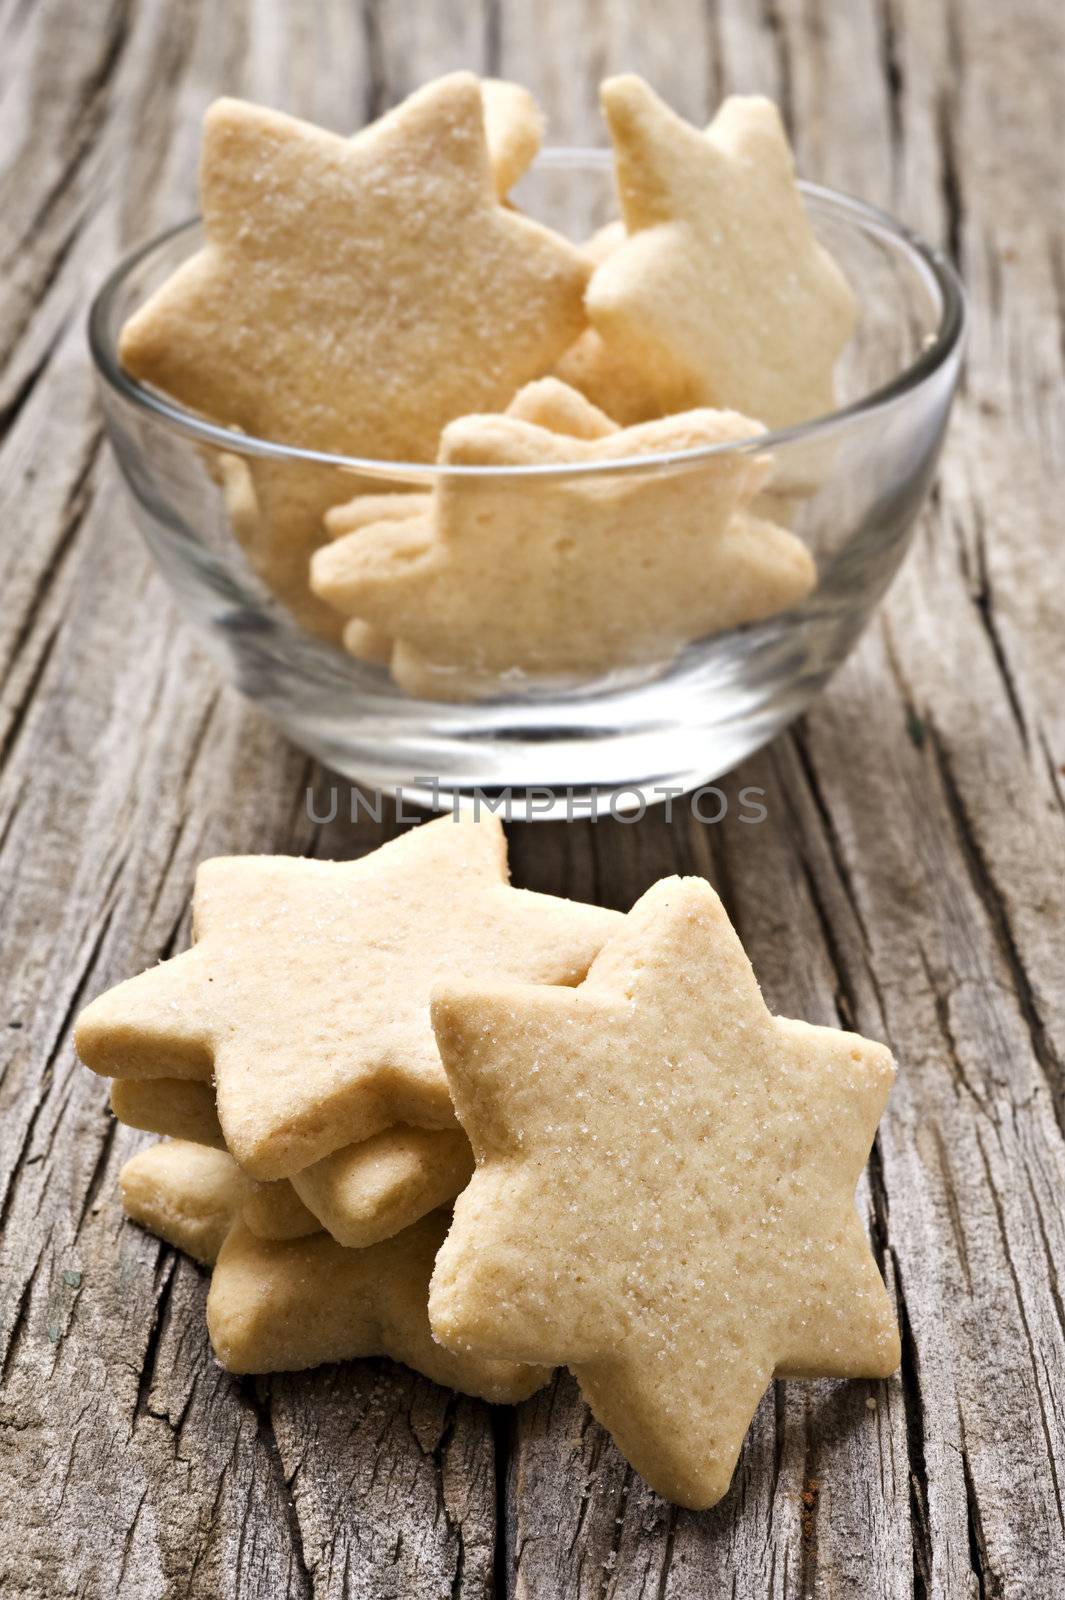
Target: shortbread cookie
[(664, 1195), (234, 475), (352, 296), (306, 991), (359, 639), (186, 1194), (183, 1109), (721, 294), (185, 1112), (364, 509), (366, 643), (557, 406), (600, 372), (546, 401), (179, 1108), (282, 1307), (513, 127), (567, 576), (604, 241), (275, 1211), (369, 1191), (607, 378), (360, 1194), (266, 506)]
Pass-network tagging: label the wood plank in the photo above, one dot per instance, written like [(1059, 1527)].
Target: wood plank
[(908, 880)]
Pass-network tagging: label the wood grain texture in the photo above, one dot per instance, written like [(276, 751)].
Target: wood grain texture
[(909, 879)]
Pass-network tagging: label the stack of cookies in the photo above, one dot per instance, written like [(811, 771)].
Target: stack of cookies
[(416, 1112), (410, 305)]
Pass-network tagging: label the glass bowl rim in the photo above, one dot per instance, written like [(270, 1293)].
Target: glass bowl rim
[(933, 355)]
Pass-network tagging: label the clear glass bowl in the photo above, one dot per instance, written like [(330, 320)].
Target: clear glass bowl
[(849, 485)]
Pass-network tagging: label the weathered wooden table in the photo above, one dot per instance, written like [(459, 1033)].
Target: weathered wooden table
[(909, 878)]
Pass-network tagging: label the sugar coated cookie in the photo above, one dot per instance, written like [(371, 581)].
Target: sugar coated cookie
[(352, 296), (664, 1196), (306, 992), (721, 294), (281, 1307), (604, 241), (548, 402), (359, 638)]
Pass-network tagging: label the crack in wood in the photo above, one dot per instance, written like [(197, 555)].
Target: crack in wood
[(910, 1375), (256, 1394), (987, 892), (502, 1435)]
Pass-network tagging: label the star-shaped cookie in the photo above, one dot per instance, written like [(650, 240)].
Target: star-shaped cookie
[(185, 1194), (547, 402), (180, 1108), (352, 296), (360, 1194), (664, 1196), (721, 295), (369, 1191), (513, 128), (282, 1306), (602, 373), (306, 992), (565, 576)]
